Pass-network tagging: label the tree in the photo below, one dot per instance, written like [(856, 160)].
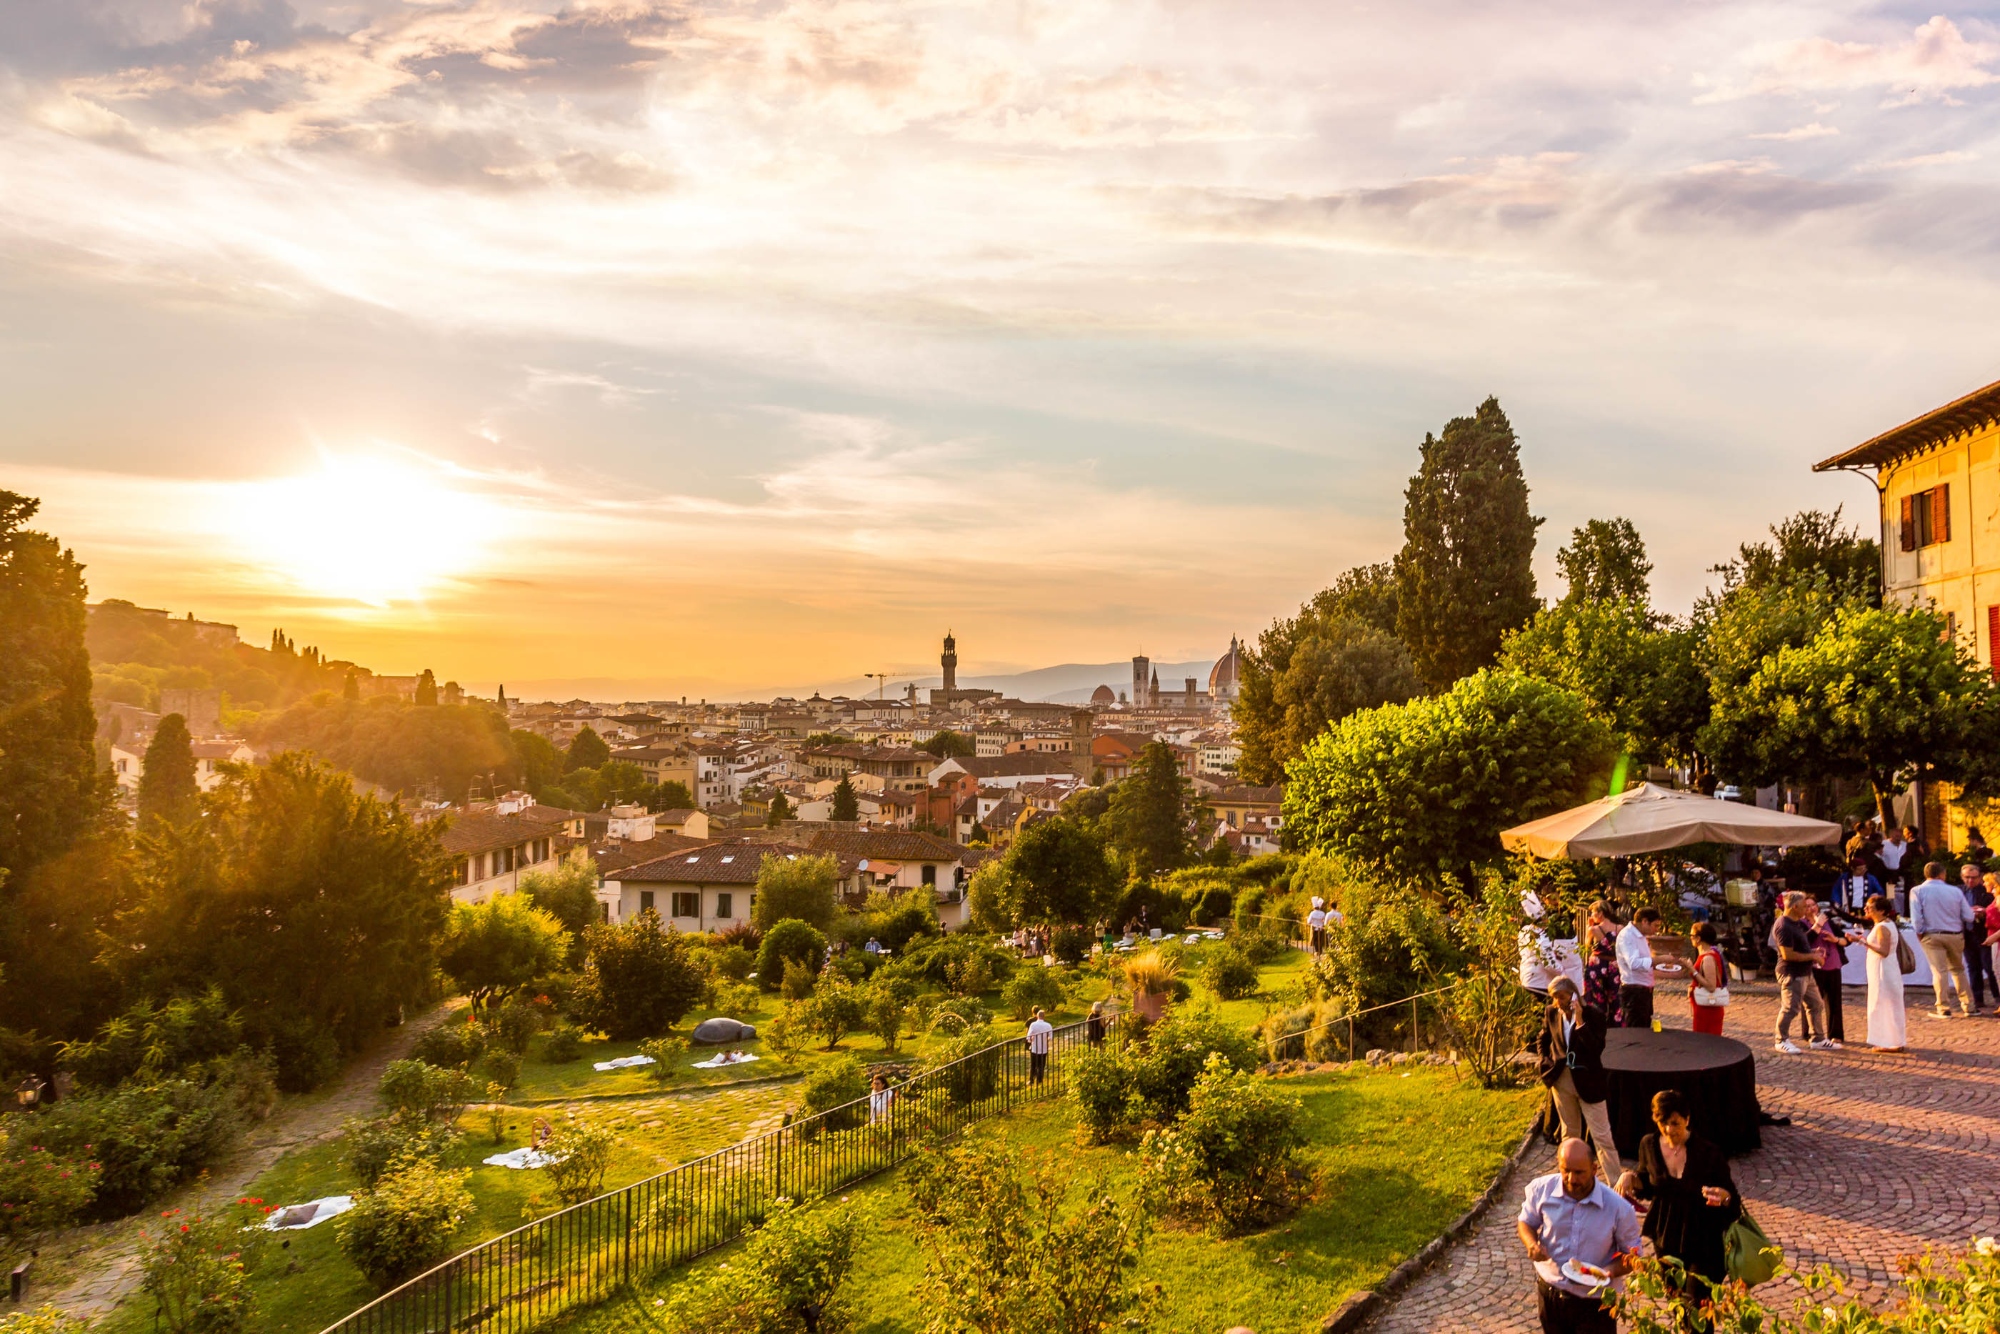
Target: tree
[(949, 745), (1739, 632), (399, 745), (1422, 790), (350, 687), (427, 689), (671, 795), (781, 811), (1150, 811), (788, 942), (1055, 873), (1810, 547), (797, 888), (639, 979), (586, 751), (537, 760), (1464, 576), (1640, 673), (50, 791), (845, 806), (1605, 561), (492, 950), (167, 788)]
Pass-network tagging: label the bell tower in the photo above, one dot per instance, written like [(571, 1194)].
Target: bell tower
[(950, 663)]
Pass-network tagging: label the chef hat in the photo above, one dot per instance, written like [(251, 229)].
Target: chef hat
[(1531, 903), (1318, 902)]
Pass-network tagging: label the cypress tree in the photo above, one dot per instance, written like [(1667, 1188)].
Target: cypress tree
[(350, 689), (845, 805), (1464, 576), (167, 789), (586, 751), (427, 688)]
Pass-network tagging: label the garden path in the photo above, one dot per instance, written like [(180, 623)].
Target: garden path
[(1884, 1154), (110, 1264)]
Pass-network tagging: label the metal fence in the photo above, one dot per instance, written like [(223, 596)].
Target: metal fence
[(514, 1282)]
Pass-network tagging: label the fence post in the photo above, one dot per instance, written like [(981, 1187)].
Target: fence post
[(1350, 1037), (627, 1278), (1413, 1026)]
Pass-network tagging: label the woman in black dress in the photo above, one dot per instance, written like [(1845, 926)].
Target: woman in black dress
[(1683, 1185)]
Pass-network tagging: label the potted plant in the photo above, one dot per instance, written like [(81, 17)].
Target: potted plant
[(1150, 978)]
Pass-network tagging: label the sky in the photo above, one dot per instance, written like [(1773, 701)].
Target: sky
[(716, 348)]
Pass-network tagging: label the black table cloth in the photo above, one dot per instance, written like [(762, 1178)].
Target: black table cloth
[(1718, 1077)]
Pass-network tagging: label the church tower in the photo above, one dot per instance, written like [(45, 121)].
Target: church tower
[(950, 663)]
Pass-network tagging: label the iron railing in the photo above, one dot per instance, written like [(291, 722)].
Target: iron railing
[(586, 1252)]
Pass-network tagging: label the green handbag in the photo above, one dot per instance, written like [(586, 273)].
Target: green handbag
[(1752, 1257)]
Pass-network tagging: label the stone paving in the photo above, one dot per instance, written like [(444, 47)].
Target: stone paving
[(1884, 1153)]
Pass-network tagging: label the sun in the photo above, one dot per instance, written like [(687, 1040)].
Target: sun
[(366, 528)]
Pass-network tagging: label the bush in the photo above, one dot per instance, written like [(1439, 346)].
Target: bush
[(502, 1068), (414, 1092), (1071, 944), (404, 1223), (732, 961), (960, 1014), (1103, 1087), (737, 998), (639, 979), (787, 1279), (666, 1054), (962, 964), (1261, 944), (798, 982), (971, 1066), (196, 1268), (885, 1009), (373, 1145), (1229, 972), (789, 941), (563, 1044), (454, 1044), (580, 1154), (1176, 1052), (46, 1320), (1232, 1161), (1311, 1032), (835, 1009), (513, 1026), (151, 1041), (1031, 988), (834, 1084), (40, 1190), (147, 1138)]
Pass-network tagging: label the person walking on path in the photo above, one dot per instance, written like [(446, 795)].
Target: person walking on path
[(1635, 969), (1939, 914), (1831, 943), (1039, 1032), (1600, 963), (1797, 957), (1683, 1187), (1570, 1219), (1888, 1024), (1710, 979), (1978, 963), (1316, 925), (1570, 1048)]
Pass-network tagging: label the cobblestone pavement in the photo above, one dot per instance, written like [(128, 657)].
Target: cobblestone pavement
[(1884, 1153)]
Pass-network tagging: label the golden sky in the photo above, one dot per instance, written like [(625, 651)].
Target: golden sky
[(723, 347)]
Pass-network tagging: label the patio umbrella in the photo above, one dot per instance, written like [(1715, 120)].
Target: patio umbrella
[(1649, 818)]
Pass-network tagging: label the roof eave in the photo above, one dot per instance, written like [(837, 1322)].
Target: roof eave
[(1933, 429)]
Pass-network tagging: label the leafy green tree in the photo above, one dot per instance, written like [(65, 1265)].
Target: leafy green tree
[(1422, 790), (427, 689), (639, 980), (399, 745), (1055, 873), (781, 811), (1464, 576), (586, 751), (795, 888), (1640, 673), (671, 795), (1739, 632), (1151, 811), (949, 745), (1810, 547), (845, 805), (538, 762), (492, 950), (167, 788), (788, 943), (50, 790), (1605, 561)]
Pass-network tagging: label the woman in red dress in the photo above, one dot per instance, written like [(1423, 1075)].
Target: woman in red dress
[(1709, 977)]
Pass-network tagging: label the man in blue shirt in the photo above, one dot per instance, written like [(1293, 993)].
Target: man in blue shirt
[(1939, 914), (1570, 1218)]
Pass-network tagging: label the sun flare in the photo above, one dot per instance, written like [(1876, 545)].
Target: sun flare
[(377, 531)]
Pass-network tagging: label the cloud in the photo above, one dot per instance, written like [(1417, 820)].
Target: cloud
[(1921, 160), (1935, 63), (1815, 130)]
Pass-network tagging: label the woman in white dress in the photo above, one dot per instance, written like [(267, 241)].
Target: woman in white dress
[(1888, 1026)]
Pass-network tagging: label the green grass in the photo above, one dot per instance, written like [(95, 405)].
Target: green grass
[(1398, 1155)]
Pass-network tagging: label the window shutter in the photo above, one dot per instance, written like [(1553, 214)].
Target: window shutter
[(1941, 512), (1908, 526), (1993, 640)]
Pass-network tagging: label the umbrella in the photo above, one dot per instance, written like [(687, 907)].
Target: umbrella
[(1648, 818)]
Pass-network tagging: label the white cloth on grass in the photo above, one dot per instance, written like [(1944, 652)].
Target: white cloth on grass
[(519, 1159), (717, 1062), (623, 1062), (296, 1217)]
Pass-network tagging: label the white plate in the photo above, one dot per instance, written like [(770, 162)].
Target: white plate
[(1575, 1275)]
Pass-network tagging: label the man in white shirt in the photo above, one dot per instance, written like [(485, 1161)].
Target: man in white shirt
[(1316, 924), (1569, 1218), (1635, 968), (1039, 1032)]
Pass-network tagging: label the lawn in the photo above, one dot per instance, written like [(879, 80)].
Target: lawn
[(1398, 1155)]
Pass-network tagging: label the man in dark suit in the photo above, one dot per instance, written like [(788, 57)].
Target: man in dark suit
[(1571, 1048)]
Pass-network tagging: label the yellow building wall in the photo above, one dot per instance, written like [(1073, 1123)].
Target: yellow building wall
[(1960, 577)]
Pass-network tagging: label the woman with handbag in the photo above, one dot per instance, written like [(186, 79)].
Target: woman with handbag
[(1888, 1024), (1708, 991), (1683, 1185)]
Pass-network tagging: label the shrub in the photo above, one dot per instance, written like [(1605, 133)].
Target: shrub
[(639, 979), (971, 1066), (732, 961), (834, 1009), (1229, 972), (1232, 1161), (790, 941), (1177, 1050), (963, 964), (1071, 944), (960, 1014), (1311, 1032), (885, 1008), (1261, 943), (785, 1036), (787, 1278), (737, 998), (1151, 973), (404, 1223), (1103, 1087), (373, 1145), (1030, 988), (455, 1043), (412, 1091), (503, 1068), (47, 1320), (563, 1044), (513, 1026), (196, 1268), (666, 1054), (579, 1154), (40, 1190), (150, 1041), (834, 1084), (742, 934), (147, 1138), (798, 982)]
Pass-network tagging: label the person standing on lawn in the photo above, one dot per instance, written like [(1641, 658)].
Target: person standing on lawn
[(1939, 914), (1570, 1218), (1635, 968), (1798, 956), (1039, 1032), (1571, 1050)]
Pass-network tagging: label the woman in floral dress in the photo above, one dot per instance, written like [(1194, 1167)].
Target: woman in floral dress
[(1600, 963)]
